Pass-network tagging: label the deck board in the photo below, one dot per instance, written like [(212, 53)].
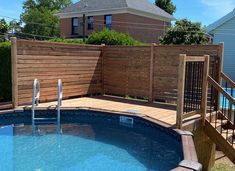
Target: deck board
[(157, 111)]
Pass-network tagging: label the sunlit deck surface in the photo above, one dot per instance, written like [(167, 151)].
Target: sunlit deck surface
[(165, 113)]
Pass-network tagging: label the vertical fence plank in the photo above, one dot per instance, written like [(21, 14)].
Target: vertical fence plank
[(14, 72), (151, 73), (205, 88), (181, 84), (102, 68)]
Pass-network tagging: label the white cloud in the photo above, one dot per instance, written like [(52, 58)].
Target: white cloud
[(219, 8)]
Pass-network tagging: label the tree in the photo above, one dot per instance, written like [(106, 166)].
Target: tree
[(185, 32), (4, 28), (14, 26), (38, 16), (166, 5)]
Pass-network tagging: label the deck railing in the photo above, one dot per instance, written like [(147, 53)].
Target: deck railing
[(192, 87), (222, 116)]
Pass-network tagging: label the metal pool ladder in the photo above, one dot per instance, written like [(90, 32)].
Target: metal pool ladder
[(35, 102)]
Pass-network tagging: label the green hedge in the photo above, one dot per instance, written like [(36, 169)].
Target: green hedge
[(111, 37), (72, 41), (107, 37), (5, 72)]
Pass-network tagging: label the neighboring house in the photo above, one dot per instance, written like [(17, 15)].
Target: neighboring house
[(223, 30), (139, 18)]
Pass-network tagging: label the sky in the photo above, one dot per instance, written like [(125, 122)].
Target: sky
[(204, 11)]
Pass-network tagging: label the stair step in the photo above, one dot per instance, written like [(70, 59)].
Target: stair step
[(218, 123), (229, 138)]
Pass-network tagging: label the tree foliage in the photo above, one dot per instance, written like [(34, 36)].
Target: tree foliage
[(185, 32), (5, 71), (38, 16), (111, 37), (166, 5), (4, 28), (14, 26)]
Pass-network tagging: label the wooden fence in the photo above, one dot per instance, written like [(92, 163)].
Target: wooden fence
[(147, 72), (151, 72), (79, 67)]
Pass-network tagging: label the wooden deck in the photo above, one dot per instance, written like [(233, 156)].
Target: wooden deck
[(157, 111)]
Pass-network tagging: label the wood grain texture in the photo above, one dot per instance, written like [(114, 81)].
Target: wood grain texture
[(136, 71), (79, 67)]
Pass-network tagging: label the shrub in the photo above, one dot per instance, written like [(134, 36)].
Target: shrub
[(111, 37), (5, 71), (185, 32), (72, 41)]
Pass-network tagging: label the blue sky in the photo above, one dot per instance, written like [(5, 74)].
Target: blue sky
[(205, 11)]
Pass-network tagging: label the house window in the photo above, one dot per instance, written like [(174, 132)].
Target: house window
[(108, 21), (74, 25), (90, 23)]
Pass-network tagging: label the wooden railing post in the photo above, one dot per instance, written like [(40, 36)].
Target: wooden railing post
[(220, 69), (14, 72), (151, 68), (205, 89), (181, 84)]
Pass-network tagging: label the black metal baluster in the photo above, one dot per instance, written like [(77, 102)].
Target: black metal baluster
[(233, 135), (222, 113)]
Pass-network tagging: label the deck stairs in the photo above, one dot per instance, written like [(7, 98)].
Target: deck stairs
[(45, 120), (220, 123)]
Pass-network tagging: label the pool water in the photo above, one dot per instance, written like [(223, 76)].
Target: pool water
[(88, 147), (224, 102)]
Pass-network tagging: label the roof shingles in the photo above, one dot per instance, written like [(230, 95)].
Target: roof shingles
[(87, 6)]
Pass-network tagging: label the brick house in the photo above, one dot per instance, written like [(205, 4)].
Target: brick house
[(139, 18)]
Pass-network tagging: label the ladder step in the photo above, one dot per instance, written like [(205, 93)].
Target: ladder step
[(42, 119)]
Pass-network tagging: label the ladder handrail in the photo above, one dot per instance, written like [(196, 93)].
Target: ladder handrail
[(59, 103), (35, 99)]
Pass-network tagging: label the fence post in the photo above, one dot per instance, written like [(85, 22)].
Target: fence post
[(14, 72), (181, 84), (102, 58), (151, 73), (205, 88), (220, 69)]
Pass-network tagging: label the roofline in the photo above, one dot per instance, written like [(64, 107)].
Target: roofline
[(220, 22), (115, 11)]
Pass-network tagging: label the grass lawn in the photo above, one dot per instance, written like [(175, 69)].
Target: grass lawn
[(222, 163), (223, 167)]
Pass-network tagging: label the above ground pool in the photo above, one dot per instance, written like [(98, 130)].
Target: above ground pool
[(90, 140)]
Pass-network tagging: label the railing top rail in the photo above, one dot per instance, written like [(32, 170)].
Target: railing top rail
[(227, 79), (195, 58), (221, 90)]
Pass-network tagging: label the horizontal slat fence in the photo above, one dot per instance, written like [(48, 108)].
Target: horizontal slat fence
[(79, 67), (128, 69), (146, 72), (166, 67)]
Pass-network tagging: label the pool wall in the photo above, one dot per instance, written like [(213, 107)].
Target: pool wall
[(189, 162)]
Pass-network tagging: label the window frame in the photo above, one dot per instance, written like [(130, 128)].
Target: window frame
[(90, 23), (75, 27), (109, 26)]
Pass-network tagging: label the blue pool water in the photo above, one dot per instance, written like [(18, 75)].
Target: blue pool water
[(223, 100), (91, 146)]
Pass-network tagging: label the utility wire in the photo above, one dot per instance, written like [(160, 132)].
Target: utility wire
[(33, 23)]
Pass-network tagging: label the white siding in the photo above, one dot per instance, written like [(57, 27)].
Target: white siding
[(226, 34)]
